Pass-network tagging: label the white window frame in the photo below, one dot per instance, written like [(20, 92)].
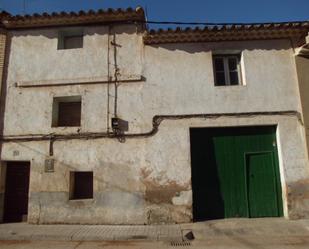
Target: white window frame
[(226, 69)]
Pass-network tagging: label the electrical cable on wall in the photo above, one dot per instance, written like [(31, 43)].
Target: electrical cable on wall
[(108, 76), (116, 74), (156, 121)]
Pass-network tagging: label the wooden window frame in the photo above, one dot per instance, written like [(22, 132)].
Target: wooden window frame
[(226, 69)]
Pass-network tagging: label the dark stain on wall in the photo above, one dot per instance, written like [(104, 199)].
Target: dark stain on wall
[(157, 193), (298, 199)]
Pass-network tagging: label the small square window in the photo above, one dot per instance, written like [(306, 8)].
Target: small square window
[(66, 111), (227, 70), (70, 39), (81, 185)]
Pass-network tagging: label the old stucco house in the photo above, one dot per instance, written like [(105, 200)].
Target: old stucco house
[(105, 122)]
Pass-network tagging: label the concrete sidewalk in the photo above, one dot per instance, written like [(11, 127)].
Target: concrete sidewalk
[(260, 227), (24, 231), (231, 229)]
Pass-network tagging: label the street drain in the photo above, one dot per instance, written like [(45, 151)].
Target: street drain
[(180, 243), (139, 237)]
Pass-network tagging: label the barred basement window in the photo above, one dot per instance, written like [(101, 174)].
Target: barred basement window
[(227, 70), (66, 111), (81, 185), (70, 39)]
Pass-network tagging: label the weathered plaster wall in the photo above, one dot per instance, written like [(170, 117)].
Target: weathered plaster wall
[(36, 59), (144, 180), (185, 70), (179, 80)]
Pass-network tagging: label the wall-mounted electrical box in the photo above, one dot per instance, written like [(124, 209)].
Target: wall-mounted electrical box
[(120, 125), (115, 123)]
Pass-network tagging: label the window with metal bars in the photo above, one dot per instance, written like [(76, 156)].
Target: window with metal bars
[(227, 70)]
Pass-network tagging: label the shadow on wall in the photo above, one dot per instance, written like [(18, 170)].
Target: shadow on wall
[(226, 46), (52, 32), (207, 196), (155, 192)]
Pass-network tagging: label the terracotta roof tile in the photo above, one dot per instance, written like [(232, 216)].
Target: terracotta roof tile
[(229, 32), (211, 32), (72, 18)]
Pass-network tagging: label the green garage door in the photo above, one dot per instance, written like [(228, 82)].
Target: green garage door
[(235, 172)]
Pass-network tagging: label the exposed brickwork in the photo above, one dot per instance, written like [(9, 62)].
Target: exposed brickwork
[(2, 52)]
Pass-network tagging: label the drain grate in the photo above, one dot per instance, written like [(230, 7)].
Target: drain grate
[(139, 237), (180, 243)]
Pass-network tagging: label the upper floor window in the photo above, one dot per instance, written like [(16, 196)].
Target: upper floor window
[(66, 111), (227, 70), (69, 39)]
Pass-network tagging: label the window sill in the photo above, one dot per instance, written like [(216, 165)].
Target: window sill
[(82, 200), (69, 126), (63, 49), (66, 129), (228, 86)]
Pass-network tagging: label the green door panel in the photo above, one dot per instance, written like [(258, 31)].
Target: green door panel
[(261, 184), (231, 175), (222, 159)]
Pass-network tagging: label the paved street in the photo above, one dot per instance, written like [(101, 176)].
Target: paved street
[(228, 242), (230, 233)]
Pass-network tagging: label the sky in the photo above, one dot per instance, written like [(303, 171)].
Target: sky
[(218, 11)]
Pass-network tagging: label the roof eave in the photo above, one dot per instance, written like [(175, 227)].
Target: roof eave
[(295, 31), (68, 19)]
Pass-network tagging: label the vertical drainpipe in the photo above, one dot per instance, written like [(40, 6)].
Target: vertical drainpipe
[(108, 77)]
